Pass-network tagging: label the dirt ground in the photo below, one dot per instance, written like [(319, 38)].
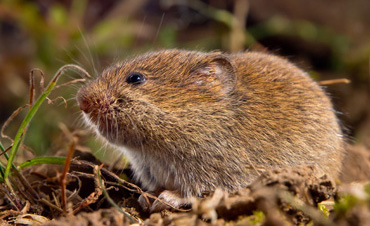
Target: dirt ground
[(279, 197)]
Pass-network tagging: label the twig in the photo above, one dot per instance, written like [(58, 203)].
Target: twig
[(70, 82), (12, 198), (26, 207), (32, 84), (60, 97), (27, 185), (92, 198), (310, 211), (63, 179), (67, 164), (5, 151), (334, 81), (237, 29), (7, 122), (146, 194), (46, 202), (32, 89), (127, 185)]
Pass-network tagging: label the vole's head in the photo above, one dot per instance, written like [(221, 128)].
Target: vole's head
[(145, 96)]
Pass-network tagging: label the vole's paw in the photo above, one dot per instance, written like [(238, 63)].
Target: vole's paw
[(168, 199), (145, 201)]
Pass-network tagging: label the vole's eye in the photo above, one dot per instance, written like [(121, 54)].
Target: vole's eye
[(135, 78)]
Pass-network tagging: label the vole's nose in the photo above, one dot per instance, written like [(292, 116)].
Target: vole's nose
[(83, 102), (84, 106)]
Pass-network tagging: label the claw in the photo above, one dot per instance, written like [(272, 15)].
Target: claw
[(166, 200), (169, 199), (145, 202)]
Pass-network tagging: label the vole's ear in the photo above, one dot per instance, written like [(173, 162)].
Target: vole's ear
[(219, 73)]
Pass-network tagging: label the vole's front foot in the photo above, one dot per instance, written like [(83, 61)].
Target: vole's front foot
[(166, 200)]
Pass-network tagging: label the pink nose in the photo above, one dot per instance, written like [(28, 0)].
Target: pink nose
[(84, 105), (83, 102)]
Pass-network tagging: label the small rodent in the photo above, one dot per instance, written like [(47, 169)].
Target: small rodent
[(191, 121)]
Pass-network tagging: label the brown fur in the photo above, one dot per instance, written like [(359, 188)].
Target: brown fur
[(207, 120)]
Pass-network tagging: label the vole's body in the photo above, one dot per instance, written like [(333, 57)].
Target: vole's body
[(206, 120)]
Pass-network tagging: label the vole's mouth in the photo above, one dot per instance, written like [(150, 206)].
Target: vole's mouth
[(107, 116), (103, 125)]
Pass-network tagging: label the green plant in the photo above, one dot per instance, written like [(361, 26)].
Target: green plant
[(23, 127)]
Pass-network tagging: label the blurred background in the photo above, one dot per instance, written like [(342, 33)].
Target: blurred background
[(329, 39)]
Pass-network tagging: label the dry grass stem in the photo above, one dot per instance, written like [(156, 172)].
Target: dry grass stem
[(9, 120), (63, 179), (60, 97), (32, 84), (70, 82), (334, 81)]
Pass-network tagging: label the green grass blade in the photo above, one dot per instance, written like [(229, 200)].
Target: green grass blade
[(2, 168), (43, 160), (32, 112), (27, 119)]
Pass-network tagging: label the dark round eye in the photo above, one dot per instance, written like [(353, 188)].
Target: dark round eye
[(135, 78)]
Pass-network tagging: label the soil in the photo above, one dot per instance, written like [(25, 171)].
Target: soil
[(279, 197)]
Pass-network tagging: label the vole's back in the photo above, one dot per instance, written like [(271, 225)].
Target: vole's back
[(288, 114)]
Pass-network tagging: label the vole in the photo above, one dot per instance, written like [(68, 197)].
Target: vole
[(192, 121)]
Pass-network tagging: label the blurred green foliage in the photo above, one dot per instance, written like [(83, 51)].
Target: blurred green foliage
[(58, 38), (357, 195), (278, 25), (60, 34)]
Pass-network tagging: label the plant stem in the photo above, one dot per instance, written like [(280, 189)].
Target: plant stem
[(31, 113)]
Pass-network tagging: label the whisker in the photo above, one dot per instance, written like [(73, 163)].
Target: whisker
[(72, 99), (100, 149), (86, 58), (159, 28), (92, 62), (68, 53), (78, 120)]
